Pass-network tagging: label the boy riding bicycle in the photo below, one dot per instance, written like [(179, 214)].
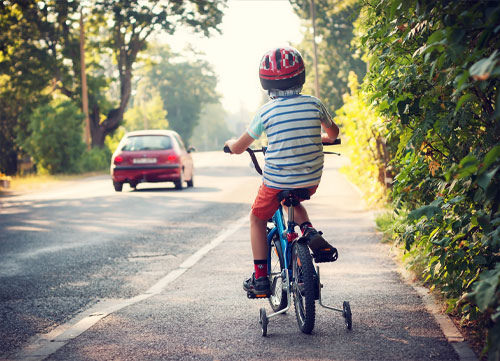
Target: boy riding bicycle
[(294, 156)]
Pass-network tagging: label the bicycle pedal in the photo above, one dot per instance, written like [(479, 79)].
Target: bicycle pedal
[(254, 296), (326, 256)]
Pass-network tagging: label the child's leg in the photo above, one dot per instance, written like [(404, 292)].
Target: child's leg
[(258, 237), (258, 284), (300, 214), (322, 250), (302, 218), (264, 206)]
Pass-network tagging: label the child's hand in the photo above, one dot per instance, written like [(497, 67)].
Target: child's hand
[(229, 143), (325, 139), (239, 145)]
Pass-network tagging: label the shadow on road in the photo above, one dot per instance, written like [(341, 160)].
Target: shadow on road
[(59, 257)]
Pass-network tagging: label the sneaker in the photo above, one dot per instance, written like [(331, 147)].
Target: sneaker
[(321, 249), (258, 287)]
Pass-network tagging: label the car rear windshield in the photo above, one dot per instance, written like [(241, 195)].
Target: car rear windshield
[(147, 142)]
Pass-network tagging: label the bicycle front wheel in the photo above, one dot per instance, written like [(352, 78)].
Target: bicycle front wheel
[(303, 286), (278, 298)]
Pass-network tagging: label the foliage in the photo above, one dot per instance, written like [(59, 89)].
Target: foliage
[(363, 131), (146, 114), (184, 86), (212, 130), (434, 72), (336, 57), (112, 141), (55, 140), (40, 56), (131, 24), (24, 73), (95, 159)]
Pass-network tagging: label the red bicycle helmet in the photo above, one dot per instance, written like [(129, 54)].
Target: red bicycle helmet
[(282, 68)]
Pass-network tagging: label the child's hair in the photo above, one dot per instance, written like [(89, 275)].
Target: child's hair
[(282, 69)]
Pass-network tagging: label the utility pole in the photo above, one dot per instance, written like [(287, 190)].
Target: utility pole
[(85, 99), (316, 75)]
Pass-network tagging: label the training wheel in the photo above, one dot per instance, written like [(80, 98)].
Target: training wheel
[(347, 315), (263, 321)]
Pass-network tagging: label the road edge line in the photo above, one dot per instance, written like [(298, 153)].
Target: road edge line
[(42, 346)]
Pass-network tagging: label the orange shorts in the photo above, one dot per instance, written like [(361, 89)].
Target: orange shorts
[(266, 202)]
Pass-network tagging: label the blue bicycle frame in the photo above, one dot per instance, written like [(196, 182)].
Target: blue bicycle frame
[(287, 238), (282, 232)]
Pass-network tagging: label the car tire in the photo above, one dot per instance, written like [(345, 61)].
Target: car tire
[(118, 186), (180, 183)]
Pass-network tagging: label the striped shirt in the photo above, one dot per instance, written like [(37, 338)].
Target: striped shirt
[(294, 157)]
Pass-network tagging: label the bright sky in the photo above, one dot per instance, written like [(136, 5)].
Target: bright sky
[(249, 29)]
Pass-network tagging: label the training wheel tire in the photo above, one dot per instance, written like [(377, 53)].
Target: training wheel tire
[(263, 321), (347, 315)]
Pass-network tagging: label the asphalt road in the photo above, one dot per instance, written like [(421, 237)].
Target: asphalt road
[(67, 252)]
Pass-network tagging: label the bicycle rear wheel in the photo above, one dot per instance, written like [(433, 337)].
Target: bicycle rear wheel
[(303, 286), (278, 298)]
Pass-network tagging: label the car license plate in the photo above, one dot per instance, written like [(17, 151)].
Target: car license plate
[(144, 160)]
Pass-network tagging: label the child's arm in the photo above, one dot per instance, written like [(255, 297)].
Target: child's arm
[(327, 123), (331, 134), (239, 145)]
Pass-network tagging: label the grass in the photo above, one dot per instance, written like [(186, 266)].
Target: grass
[(385, 221), (33, 182)]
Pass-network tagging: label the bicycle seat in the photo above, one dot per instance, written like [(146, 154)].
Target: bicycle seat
[(292, 197)]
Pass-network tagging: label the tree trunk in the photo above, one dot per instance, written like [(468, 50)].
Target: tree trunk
[(99, 130)]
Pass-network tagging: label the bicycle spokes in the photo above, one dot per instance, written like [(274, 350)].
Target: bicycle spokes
[(303, 287)]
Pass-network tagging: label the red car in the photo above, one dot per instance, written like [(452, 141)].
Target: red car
[(151, 156)]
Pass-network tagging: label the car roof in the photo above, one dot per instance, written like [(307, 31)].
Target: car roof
[(151, 132)]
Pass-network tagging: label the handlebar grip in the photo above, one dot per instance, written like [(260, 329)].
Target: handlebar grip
[(335, 142), (226, 149)]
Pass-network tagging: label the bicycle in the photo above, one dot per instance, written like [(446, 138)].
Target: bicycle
[(290, 265)]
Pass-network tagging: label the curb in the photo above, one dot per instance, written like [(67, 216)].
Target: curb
[(449, 329)]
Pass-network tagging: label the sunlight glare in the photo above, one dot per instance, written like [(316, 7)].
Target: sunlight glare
[(249, 29)]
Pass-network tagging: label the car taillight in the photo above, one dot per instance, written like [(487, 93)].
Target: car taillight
[(172, 158), (118, 159)]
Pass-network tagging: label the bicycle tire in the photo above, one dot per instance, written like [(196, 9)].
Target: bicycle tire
[(303, 286), (278, 299)]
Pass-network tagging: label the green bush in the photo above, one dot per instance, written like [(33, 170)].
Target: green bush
[(113, 140), (95, 159), (435, 75), (55, 137), (363, 131)]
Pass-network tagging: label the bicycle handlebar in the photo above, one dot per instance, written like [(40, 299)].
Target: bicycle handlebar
[(256, 163), (335, 142), (252, 156)]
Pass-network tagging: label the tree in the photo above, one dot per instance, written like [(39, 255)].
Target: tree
[(27, 70), (212, 130), (184, 86), (336, 56), (39, 52), (435, 76), (146, 114), (131, 24), (55, 139)]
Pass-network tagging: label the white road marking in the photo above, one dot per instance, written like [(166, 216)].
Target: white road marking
[(43, 345)]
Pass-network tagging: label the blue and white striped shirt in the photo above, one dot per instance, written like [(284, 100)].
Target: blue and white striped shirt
[(294, 157)]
